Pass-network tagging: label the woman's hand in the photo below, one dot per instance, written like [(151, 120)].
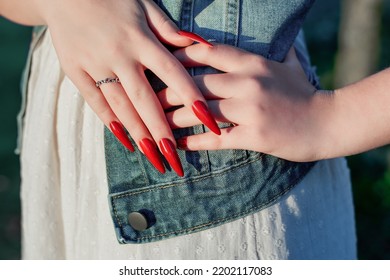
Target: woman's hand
[(273, 107), (99, 39)]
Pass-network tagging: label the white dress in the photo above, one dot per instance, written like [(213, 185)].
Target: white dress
[(65, 206)]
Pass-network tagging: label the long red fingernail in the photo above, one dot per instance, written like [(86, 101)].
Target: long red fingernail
[(204, 115), (194, 37), (182, 143), (119, 132), (169, 151), (149, 148)]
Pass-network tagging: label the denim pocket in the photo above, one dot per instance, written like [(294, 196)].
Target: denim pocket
[(152, 207)]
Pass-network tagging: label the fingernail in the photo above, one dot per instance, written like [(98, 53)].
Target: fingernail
[(149, 148), (194, 37), (169, 151), (204, 115), (182, 143), (120, 133)]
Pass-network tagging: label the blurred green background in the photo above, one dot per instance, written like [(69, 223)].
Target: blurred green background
[(370, 171)]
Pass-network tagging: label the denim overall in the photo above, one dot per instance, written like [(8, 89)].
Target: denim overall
[(218, 186)]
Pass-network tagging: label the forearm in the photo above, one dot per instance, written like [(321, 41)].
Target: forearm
[(26, 12), (360, 118)]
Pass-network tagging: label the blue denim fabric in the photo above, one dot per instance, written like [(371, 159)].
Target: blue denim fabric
[(218, 186)]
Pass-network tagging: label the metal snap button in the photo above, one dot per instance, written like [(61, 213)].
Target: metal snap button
[(138, 221)]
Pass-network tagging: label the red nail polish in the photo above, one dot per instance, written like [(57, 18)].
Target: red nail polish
[(169, 151), (118, 130), (149, 148), (182, 143), (194, 37), (205, 116)]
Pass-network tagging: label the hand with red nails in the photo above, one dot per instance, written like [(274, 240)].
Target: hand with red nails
[(111, 43), (273, 107)]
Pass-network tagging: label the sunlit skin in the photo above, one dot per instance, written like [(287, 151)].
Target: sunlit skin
[(273, 107)]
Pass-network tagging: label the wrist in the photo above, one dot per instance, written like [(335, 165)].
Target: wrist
[(324, 127)]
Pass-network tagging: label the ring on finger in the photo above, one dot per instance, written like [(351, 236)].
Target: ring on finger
[(107, 81)]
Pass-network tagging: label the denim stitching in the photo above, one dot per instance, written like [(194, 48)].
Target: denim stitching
[(256, 208), (188, 230), (115, 197), (200, 178)]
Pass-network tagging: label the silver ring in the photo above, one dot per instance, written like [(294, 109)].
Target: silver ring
[(107, 81)]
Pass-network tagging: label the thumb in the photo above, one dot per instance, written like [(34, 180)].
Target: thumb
[(162, 26)]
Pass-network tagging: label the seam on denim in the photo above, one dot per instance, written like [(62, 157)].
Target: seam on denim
[(253, 209), (116, 213), (115, 197), (198, 227), (180, 183), (256, 208)]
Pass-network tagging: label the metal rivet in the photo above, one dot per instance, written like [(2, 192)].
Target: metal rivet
[(138, 221)]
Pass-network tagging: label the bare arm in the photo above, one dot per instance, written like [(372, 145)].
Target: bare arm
[(24, 12), (360, 116)]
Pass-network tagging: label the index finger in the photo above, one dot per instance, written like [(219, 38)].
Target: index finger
[(222, 57)]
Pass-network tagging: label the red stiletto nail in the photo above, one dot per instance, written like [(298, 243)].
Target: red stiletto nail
[(118, 130), (182, 143), (205, 116), (194, 37), (149, 148), (169, 151)]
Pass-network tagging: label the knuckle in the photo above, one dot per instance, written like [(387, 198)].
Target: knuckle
[(164, 23), (256, 62), (170, 66), (116, 100), (217, 142), (252, 85), (112, 51), (137, 94)]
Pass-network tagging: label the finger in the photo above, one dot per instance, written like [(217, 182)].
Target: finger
[(125, 111), (138, 93), (119, 102), (96, 100), (213, 87), (162, 26), (150, 112), (223, 110), (231, 138), (222, 57), (174, 75)]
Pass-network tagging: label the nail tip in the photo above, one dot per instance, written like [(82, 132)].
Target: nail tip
[(201, 111), (168, 150), (180, 172), (149, 149), (131, 149), (194, 37), (160, 168)]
